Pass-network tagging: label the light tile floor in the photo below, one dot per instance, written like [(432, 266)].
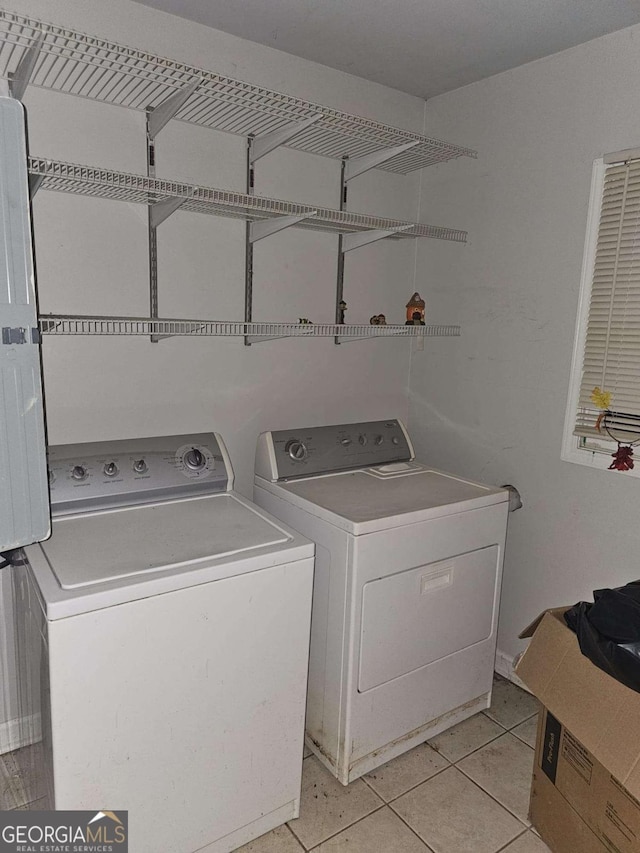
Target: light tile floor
[(466, 791), (15, 790)]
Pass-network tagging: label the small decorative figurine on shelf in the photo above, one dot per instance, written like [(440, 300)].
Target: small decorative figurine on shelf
[(378, 320), (304, 321), (415, 311), (342, 305)]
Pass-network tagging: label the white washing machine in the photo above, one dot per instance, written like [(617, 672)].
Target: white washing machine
[(406, 590), (163, 640)]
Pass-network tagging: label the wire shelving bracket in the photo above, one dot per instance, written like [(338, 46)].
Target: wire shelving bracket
[(158, 117), (266, 227), (360, 165), (262, 145), (21, 77)]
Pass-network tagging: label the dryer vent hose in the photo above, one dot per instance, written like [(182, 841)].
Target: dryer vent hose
[(12, 558), (515, 501)]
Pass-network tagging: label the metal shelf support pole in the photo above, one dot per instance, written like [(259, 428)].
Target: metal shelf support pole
[(359, 165), (248, 245), (157, 118), (22, 75), (257, 147), (340, 267), (151, 230), (349, 169), (262, 145), (263, 228)]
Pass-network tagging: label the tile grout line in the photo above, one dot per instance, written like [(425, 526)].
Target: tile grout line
[(344, 828), (524, 826), (513, 730), (502, 849), (515, 725), (408, 825), (297, 840), (479, 786), (417, 785), (477, 749)]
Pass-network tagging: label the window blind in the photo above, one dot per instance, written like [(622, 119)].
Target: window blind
[(612, 348)]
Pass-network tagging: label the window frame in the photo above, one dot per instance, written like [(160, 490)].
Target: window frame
[(595, 453)]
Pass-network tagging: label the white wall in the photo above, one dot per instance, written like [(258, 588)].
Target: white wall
[(91, 257), (491, 404)]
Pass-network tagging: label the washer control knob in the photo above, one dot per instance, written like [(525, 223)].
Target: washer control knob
[(378, 440), (110, 469), (395, 440), (140, 466), (296, 450), (345, 442), (362, 438), (79, 472), (194, 459)]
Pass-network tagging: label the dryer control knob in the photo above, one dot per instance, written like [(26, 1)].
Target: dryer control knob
[(345, 442), (378, 440), (79, 472), (362, 438), (110, 469), (194, 459), (296, 450)]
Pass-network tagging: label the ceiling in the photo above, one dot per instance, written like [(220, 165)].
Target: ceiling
[(424, 47)]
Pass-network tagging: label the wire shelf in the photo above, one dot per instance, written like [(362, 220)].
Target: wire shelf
[(79, 64), (120, 186), (54, 324)]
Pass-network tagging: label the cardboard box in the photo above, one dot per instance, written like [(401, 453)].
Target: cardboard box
[(585, 794)]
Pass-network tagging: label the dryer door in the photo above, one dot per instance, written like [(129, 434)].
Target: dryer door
[(418, 616)]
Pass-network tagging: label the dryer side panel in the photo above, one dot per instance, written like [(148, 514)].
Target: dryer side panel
[(329, 662)]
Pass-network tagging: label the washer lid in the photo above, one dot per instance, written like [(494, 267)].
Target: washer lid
[(379, 498), (92, 548)]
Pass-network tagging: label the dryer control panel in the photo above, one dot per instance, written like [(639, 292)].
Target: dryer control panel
[(284, 454), (96, 475)]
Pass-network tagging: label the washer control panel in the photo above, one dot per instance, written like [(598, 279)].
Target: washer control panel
[(305, 452), (96, 475)]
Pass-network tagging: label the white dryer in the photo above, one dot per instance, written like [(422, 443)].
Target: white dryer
[(163, 638), (406, 591)]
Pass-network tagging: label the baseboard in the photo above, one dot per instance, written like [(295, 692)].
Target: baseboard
[(17, 733), (504, 666)]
